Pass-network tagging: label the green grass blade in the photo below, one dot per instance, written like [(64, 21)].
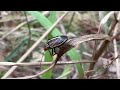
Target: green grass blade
[(16, 50), (66, 70), (46, 23), (75, 56), (52, 16), (48, 58), (48, 75)]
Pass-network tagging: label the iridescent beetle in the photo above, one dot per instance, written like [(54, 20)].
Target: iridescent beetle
[(55, 42)]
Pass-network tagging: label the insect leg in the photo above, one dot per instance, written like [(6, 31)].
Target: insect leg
[(51, 53), (54, 51)]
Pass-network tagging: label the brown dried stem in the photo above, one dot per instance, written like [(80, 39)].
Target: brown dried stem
[(67, 46), (42, 63), (32, 48), (102, 47)]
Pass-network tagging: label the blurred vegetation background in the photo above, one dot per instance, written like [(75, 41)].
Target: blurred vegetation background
[(16, 38)]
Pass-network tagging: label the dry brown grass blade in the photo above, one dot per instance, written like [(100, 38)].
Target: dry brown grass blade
[(34, 45), (42, 63), (33, 76), (75, 41), (104, 20), (67, 46), (115, 49), (102, 47), (18, 26)]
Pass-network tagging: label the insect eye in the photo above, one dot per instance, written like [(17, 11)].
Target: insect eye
[(46, 47)]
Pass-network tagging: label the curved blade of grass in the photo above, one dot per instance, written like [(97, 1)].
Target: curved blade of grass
[(48, 58), (75, 56), (46, 23), (48, 75), (52, 16), (64, 75), (16, 50), (66, 70)]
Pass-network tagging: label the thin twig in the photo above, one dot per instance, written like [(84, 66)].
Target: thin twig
[(71, 20), (104, 20), (29, 30), (16, 18), (33, 76), (106, 66), (20, 17), (17, 27), (42, 63), (102, 47), (34, 46), (115, 49)]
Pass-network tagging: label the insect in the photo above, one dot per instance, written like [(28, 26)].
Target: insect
[(55, 42)]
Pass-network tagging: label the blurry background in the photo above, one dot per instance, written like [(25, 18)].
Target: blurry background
[(16, 39)]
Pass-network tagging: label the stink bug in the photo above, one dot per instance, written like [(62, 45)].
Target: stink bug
[(55, 42)]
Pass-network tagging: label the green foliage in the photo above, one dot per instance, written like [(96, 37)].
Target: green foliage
[(47, 23), (16, 50)]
